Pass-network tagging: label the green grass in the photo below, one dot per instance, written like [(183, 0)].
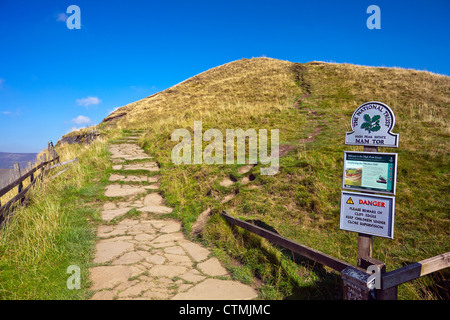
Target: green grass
[(301, 202), (55, 230)]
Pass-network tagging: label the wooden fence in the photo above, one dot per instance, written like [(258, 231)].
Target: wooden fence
[(35, 174), (389, 280)]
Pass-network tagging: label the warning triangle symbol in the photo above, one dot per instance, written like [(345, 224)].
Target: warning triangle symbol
[(350, 201)]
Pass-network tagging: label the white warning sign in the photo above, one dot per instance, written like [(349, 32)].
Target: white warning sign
[(369, 214)]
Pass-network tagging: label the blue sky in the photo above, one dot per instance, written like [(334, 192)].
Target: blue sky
[(53, 79)]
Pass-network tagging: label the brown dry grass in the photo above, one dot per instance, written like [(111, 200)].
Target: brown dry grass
[(252, 87)]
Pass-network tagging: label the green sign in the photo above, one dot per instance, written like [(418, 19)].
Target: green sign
[(369, 171)]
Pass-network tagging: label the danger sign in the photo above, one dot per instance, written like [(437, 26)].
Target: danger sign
[(369, 214)]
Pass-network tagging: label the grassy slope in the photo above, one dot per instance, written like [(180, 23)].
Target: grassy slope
[(55, 230), (302, 201)]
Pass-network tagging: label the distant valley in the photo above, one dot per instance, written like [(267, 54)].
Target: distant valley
[(7, 159)]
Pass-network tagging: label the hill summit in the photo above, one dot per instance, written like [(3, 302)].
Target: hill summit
[(261, 81)]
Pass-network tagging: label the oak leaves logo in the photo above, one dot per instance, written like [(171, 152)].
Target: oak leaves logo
[(371, 124)]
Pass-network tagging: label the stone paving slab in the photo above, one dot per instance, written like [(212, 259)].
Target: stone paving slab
[(148, 256), (215, 289), (118, 190), (131, 178), (108, 215), (127, 151), (148, 166)]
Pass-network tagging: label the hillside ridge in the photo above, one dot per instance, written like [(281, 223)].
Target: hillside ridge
[(210, 74)]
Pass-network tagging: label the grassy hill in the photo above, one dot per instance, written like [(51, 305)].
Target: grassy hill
[(311, 105)]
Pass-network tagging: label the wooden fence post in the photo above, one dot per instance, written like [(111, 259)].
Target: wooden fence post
[(365, 248), (354, 284), (30, 167), (380, 294), (20, 186), (387, 294), (43, 159), (17, 171)]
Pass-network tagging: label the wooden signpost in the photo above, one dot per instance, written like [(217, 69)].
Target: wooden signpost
[(365, 212)]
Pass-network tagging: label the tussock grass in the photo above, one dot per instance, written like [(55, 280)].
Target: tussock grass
[(42, 239)]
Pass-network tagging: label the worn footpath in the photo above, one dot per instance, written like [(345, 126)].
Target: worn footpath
[(140, 253)]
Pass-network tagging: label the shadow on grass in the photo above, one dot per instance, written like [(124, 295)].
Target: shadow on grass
[(328, 285)]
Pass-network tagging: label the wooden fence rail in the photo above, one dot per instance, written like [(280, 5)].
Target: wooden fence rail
[(61, 164), (22, 178), (389, 280), (301, 249), (44, 166), (415, 270)]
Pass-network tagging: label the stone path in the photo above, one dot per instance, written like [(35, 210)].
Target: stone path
[(143, 255)]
